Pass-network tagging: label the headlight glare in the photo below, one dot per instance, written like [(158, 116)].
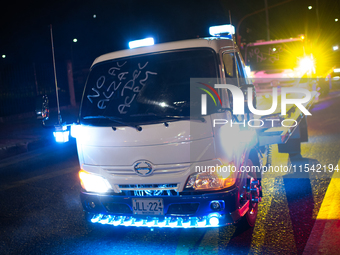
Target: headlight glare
[(93, 183), (215, 179)]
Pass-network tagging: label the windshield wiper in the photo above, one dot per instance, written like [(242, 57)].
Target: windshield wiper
[(101, 117), (114, 119), (186, 117), (169, 116)]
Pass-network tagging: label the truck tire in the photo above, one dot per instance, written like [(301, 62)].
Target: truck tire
[(249, 219)]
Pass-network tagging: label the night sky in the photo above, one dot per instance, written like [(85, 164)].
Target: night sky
[(25, 34)]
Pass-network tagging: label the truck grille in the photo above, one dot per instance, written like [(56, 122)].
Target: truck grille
[(140, 190), (157, 169)]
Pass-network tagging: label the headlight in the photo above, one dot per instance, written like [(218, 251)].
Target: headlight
[(216, 178), (93, 183)]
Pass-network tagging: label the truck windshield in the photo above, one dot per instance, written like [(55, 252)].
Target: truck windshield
[(274, 56), (145, 89)]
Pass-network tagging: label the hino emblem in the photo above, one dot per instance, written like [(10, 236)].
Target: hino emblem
[(143, 168)]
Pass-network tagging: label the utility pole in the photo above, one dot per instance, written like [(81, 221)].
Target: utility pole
[(71, 83), (55, 78), (317, 15), (267, 19), (253, 13)]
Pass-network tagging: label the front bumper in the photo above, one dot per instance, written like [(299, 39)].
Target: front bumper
[(188, 211)]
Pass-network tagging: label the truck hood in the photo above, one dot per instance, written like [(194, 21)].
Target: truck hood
[(179, 142)]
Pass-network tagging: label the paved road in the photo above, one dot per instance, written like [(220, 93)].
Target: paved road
[(40, 210)]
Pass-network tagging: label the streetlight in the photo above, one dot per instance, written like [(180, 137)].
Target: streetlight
[(336, 20), (310, 7), (335, 47), (3, 56), (75, 40)]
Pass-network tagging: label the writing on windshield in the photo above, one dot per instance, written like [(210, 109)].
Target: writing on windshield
[(129, 82), (145, 88)]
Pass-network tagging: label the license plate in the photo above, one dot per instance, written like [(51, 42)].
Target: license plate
[(149, 206)]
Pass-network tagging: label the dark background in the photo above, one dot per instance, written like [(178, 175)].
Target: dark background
[(27, 69)]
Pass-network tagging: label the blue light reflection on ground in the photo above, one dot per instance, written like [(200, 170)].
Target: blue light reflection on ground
[(326, 102), (322, 105)]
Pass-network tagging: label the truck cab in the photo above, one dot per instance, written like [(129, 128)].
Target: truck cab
[(150, 150), (171, 135)]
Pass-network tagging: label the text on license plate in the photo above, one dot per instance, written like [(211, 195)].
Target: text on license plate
[(150, 206)]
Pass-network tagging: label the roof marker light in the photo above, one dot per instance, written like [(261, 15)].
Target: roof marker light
[(140, 43), (223, 29)]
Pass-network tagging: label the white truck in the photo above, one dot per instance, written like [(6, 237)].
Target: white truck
[(158, 148)]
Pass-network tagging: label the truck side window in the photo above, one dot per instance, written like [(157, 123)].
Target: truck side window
[(229, 66), (230, 72)]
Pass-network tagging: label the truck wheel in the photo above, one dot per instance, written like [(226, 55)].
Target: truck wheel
[(249, 219)]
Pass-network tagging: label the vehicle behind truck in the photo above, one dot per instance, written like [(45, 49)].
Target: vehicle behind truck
[(290, 62), (164, 137), (284, 58)]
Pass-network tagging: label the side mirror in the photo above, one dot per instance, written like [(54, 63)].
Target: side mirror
[(42, 109), (61, 131)]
